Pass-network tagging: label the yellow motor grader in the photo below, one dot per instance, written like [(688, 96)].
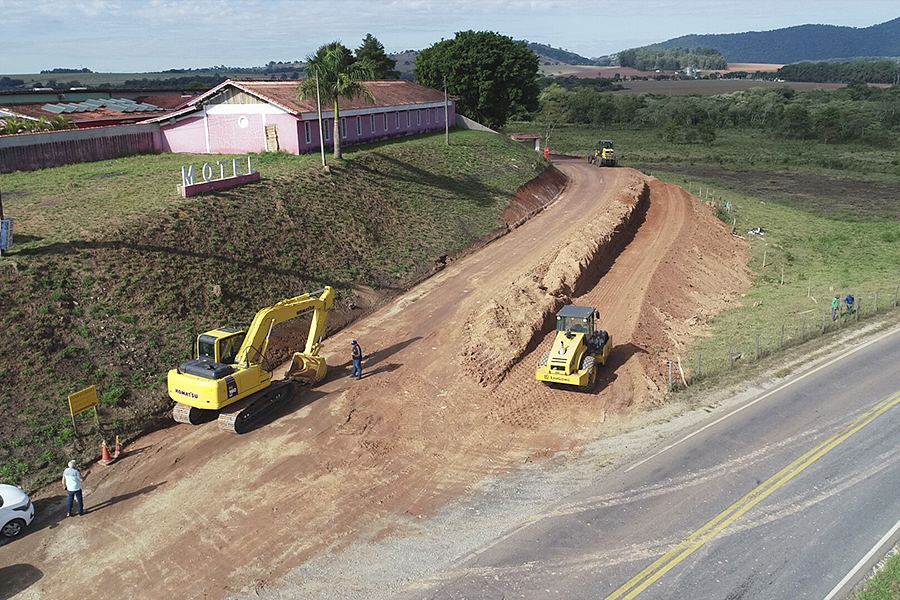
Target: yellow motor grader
[(604, 155)]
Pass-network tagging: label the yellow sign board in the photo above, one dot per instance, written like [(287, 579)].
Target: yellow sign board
[(83, 400)]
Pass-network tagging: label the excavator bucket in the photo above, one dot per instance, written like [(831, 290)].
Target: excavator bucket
[(306, 368)]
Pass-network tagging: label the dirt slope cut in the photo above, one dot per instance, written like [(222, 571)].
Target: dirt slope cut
[(195, 513)]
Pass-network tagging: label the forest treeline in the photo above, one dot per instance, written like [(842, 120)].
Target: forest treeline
[(881, 71), (856, 113), (644, 59)]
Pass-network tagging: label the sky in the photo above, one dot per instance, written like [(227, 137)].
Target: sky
[(137, 36)]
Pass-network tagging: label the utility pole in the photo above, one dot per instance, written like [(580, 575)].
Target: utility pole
[(1, 216), (446, 116), (319, 110)]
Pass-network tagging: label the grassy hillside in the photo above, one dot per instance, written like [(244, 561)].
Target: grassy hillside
[(114, 273)]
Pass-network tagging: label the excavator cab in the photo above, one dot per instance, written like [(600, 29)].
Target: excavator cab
[(220, 345)]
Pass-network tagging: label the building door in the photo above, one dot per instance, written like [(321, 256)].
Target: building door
[(271, 138)]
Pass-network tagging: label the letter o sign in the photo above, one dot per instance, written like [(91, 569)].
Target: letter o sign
[(243, 122)]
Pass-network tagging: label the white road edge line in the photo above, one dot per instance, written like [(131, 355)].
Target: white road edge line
[(862, 564), (763, 397)]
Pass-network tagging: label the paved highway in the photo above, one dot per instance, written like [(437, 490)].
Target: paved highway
[(786, 496)]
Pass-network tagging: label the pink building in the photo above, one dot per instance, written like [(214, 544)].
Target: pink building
[(237, 117)]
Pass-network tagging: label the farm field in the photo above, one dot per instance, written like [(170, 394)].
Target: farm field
[(715, 87)]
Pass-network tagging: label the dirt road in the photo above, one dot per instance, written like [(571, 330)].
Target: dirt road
[(448, 398)]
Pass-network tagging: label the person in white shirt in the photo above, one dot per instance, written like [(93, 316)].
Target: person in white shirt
[(72, 480)]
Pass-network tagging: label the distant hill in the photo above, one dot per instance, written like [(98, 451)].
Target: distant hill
[(550, 55), (794, 44), (406, 62)]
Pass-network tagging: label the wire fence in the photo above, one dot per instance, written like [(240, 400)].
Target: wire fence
[(815, 323), (750, 346)]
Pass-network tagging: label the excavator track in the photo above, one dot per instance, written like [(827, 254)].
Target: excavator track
[(183, 413), (243, 415)]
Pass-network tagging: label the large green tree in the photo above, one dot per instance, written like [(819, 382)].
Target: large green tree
[(339, 75), (373, 51), (492, 76)]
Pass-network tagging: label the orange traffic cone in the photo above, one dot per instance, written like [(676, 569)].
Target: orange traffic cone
[(106, 458), (118, 449)]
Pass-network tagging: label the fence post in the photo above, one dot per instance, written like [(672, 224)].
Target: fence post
[(731, 355), (670, 375), (782, 335), (823, 321), (858, 309), (698, 364), (757, 347)]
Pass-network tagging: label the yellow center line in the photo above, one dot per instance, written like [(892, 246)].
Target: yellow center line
[(696, 540)]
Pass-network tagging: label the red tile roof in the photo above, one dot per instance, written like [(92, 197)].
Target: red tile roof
[(386, 93), (167, 102), (284, 95)]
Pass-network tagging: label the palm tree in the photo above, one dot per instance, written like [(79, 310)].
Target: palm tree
[(339, 75)]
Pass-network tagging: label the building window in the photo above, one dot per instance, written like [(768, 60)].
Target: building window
[(408, 117), (385, 123), (358, 126), (418, 117), (427, 117), (398, 119), (306, 127), (343, 127), (327, 129), (437, 115)]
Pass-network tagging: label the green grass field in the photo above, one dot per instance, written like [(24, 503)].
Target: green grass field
[(733, 149), (799, 264)]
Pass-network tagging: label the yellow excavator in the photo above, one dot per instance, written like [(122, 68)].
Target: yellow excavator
[(228, 376), (578, 350)]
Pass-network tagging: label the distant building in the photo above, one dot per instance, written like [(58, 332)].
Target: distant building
[(529, 140), (237, 117), (86, 108)]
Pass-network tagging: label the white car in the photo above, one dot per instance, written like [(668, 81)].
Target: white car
[(16, 510)]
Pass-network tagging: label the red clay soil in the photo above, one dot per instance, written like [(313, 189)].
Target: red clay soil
[(448, 398)]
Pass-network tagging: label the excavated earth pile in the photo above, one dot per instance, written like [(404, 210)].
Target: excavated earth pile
[(448, 397)]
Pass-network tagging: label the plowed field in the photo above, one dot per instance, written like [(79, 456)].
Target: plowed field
[(448, 397)]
